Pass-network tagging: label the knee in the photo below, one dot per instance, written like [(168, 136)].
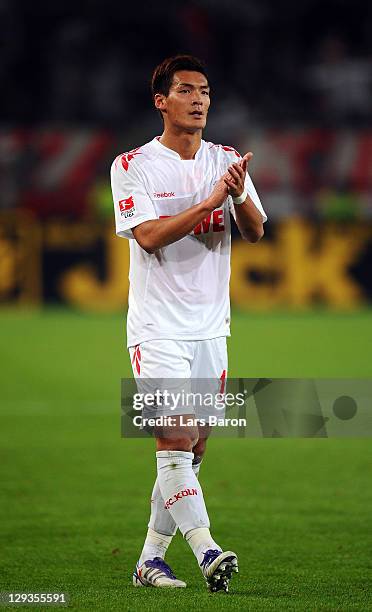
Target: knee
[(184, 443)]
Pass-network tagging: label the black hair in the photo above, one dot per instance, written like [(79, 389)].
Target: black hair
[(162, 77)]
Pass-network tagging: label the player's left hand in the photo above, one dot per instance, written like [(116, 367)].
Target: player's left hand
[(235, 176)]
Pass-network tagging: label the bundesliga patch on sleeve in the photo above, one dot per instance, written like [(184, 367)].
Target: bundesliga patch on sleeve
[(127, 208)]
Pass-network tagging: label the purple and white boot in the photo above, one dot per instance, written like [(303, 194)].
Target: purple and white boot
[(156, 573), (218, 568)]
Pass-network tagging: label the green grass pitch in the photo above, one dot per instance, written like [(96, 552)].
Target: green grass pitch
[(75, 496)]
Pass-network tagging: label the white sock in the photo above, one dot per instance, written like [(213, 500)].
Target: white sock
[(161, 519), (181, 490), (183, 497), (161, 525), (155, 545), (200, 540)]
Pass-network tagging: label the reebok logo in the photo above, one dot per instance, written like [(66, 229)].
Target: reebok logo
[(178, 496), (165, 194), (126, 207)]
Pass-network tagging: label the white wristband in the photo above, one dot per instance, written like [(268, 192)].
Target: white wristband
[(242, 198)]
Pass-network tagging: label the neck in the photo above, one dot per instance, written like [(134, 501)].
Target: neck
[(184, 143)]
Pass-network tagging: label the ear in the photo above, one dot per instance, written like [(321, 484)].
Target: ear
[(160, 102)]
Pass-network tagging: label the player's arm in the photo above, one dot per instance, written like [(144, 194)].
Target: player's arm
[(157, 233), (248, 218)]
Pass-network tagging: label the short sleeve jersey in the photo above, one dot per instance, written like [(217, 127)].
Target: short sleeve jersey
[(181, 291)]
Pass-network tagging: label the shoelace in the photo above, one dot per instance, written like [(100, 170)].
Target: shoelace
[(159, 563), (209, 556)]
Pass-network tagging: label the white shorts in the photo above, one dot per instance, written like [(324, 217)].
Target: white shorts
[(181, 365), (180, 358)]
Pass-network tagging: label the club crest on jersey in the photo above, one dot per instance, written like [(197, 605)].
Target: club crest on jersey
[(127, 208)]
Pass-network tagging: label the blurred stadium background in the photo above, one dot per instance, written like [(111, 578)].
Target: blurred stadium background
[(293, 83)]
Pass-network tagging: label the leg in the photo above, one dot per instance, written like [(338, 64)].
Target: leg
[(209, 371), (180, 487), (151, 367), (162, 527), (183, 497), (200, 448)]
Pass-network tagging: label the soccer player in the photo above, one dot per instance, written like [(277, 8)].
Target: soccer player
[(173, 197)]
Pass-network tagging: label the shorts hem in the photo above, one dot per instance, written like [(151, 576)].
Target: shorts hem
[(182, 338)]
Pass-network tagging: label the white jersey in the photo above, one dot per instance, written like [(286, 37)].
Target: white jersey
[(180, 292)]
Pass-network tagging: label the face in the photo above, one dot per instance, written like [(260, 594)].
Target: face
[(187, 103)]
